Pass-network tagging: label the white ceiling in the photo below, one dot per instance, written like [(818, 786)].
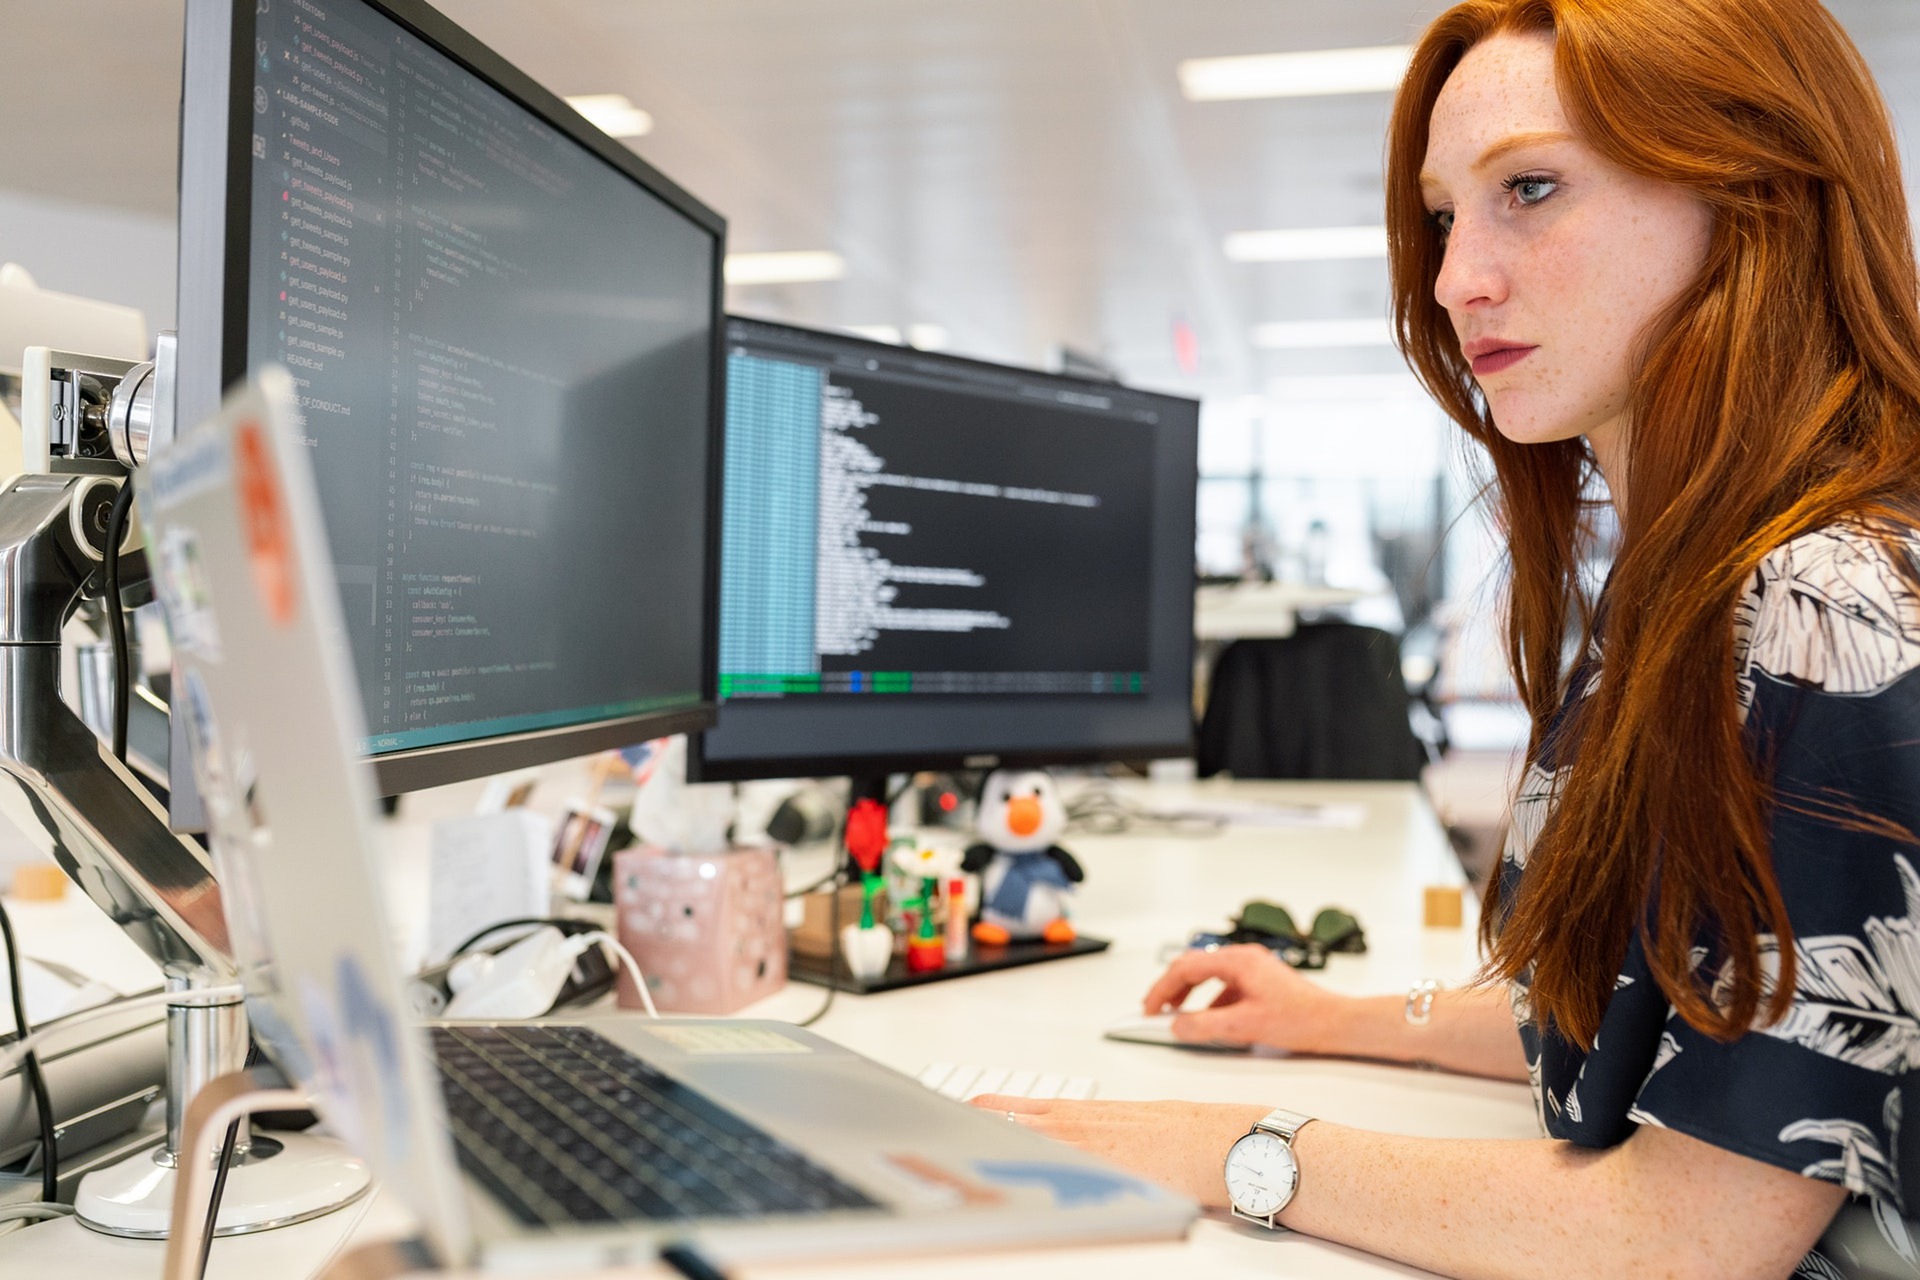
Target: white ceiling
[(1022, 173)]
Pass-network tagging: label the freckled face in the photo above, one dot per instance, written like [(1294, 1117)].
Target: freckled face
[(1556, 258)]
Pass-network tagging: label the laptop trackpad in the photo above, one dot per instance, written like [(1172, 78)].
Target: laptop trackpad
[(841, 1096)]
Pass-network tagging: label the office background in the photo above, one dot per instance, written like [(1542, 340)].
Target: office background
[(1021, 180)]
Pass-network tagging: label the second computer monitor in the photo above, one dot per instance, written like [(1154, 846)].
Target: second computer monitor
[(931, 562), (504, 332)]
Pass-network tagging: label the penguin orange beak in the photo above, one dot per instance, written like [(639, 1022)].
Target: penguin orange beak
[(1023, 815)]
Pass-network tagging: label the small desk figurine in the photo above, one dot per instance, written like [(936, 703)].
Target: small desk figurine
[(1027, 878), (927, 868), (867, 947)]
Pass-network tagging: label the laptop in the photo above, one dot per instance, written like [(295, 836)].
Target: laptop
[(590, 1141)]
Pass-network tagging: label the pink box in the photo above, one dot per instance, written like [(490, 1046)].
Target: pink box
[(708, 930)]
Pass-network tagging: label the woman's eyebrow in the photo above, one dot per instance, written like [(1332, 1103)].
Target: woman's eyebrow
[(1505, 146)]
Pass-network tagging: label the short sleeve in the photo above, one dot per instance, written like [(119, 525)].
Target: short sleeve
[(1830, 682)]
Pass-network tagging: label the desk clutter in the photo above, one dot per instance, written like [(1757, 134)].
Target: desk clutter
[(913, 917), (707, 922), (1272, 926), (707, 929)]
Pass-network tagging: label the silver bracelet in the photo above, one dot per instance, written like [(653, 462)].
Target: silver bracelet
[(1420, 1002)]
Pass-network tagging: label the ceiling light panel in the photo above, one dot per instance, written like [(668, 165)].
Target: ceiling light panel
[(1297, 335), (800, 266), (613, 114), (1307, 244), (1375, 69)]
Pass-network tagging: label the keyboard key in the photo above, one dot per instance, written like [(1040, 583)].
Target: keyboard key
[(992, 1080), (958, 1082)]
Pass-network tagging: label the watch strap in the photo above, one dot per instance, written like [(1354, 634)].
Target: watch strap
[(1281, 1123)]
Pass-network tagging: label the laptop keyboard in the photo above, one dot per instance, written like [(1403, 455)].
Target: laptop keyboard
[(565, 1126)]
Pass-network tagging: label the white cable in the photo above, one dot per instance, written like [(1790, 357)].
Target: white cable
[(17, 1052), (633, 966), (38, 1211)]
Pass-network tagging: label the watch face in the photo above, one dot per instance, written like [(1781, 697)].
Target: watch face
[(1261, 1173)]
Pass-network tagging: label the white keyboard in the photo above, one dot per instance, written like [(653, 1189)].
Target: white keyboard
[(965, 1082)]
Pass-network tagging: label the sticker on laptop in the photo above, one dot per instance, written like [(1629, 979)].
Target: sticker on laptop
[(194, 464), (263, 517), (356, 1061), (932, 1186), (182, 580), (1069, 1184), (714, 1041)]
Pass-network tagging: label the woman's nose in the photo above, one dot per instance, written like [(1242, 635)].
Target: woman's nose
[(1471, 273)]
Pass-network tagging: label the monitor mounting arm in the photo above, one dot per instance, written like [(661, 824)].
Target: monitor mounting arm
[(63, 788), (59, 784)]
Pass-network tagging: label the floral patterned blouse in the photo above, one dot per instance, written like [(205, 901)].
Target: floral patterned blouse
[(1827, 643)]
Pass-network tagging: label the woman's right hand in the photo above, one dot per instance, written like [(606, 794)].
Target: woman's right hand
[(1263, 1000)]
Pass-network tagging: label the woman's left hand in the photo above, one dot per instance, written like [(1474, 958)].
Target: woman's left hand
[(1180, 1145)]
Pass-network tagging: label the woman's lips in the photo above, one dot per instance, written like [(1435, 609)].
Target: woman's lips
[(1496, 361)]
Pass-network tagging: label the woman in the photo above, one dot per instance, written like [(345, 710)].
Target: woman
[(1662, 244)]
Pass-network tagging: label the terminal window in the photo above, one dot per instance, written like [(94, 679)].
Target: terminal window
[(900, 524), (501, 346)]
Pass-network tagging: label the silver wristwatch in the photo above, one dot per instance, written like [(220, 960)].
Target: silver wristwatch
[(1262, 1171)]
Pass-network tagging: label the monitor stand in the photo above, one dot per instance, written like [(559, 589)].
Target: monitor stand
[(81, 807)]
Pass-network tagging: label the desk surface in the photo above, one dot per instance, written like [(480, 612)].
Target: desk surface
[(1249, 610), (1146, 891)]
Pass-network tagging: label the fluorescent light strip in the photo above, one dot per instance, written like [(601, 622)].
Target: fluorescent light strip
[(1297, 335), (1321, 388), (1307, 244), (921, 337), (801, 266), (613, 114), (1378, 69)]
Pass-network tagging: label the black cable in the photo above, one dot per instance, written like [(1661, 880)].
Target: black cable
[(227, 1145), (117, 619), (49, 1152), (690, 1262)]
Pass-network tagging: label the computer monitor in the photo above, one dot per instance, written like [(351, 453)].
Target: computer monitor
[(505, 331), (930, 562)]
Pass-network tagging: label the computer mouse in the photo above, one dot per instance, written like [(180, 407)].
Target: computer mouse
[(1157, 1028)]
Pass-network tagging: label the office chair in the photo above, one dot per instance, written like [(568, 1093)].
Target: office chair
[(1326, 702)]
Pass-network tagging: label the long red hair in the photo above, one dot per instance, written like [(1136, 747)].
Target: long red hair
[(1780, 393)]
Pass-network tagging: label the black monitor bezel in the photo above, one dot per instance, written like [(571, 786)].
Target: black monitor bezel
[(703, 768), (215, 216)]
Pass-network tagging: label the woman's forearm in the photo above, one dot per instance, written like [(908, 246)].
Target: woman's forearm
[(1659, 1204), (1470, 1031)]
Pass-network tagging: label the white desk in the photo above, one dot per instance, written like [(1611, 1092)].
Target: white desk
[(1246, 610), (1146, 892)]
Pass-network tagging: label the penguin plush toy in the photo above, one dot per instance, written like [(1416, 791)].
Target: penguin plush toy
[(1026, 878)]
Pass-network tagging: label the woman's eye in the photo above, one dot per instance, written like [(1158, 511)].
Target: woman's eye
[(1442, 220), (1530, 190)]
